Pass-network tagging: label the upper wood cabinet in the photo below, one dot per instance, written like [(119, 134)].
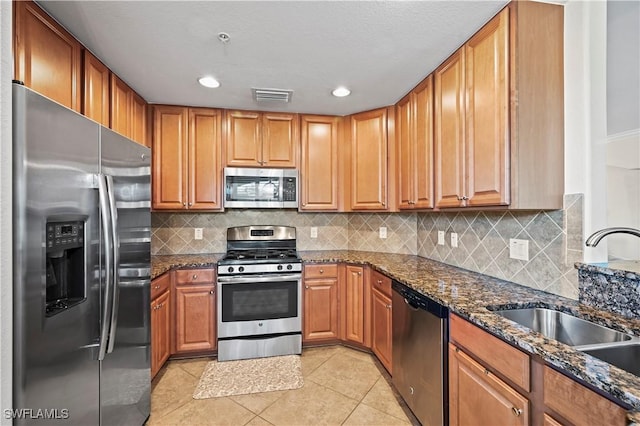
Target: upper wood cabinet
[(499, 114), (319, 162), (414, 133), (128, 111), (256, 139), (186, 158), (47, 58), (95, 99), (369, 160)]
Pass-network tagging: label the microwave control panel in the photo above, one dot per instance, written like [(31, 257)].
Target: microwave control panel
[(289, 189)]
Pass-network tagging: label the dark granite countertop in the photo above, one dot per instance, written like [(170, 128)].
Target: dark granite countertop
[(629, 269), (468, 294)]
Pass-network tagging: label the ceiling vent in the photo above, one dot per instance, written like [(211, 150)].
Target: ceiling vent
[(271, 95)]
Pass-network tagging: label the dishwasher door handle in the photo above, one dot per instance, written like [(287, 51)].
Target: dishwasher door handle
[(415, 308)]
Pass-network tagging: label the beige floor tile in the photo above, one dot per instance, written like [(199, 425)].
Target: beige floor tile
[(365, 415), (257, 402), (212, 411), (258, 421), (172, 390), (362, 356), (381, 397), (311, 405), (195, 367), (348, 375)]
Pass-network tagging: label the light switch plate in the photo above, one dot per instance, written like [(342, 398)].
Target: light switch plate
[(519, 249), (440, 238), (383, 232), (314, 232), (197, 233), (454, 239)]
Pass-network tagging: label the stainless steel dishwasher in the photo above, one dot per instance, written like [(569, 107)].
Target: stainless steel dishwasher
[(419, 354)]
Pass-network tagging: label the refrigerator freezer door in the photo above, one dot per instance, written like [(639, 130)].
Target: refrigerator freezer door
[(125, 370), (55, 167)]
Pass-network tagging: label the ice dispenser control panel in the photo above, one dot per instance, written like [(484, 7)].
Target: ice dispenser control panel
[(65, 235)]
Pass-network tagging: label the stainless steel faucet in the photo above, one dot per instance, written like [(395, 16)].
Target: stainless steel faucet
[(595, 238)]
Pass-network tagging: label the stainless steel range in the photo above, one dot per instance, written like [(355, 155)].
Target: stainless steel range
[(259, 294)]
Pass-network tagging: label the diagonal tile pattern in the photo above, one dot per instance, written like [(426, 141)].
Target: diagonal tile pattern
[(555, 238), (342, 386)]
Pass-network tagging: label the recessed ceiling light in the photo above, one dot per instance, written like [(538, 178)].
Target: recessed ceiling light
[(341, 92), (209, 81)]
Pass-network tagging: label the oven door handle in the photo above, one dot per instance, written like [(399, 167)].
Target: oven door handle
[(259, 279)]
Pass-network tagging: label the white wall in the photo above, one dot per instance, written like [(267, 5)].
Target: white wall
[(6, 73)]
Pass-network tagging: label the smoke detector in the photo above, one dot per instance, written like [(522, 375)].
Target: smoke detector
[(271, 95)]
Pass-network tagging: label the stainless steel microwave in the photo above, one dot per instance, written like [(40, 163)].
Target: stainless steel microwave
[(260, 188)]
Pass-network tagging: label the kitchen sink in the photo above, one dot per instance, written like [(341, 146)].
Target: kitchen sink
[(563, 327), (625, 357)]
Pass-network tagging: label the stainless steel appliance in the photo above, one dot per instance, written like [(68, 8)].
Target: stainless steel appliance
[(419, 354), (259, 294), (81, 256), (260, 188)]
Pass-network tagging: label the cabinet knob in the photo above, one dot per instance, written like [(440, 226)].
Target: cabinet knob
[(486, 371), (388, 306), (463, 198), (212, 292), (384, 204), (516, 411), (156, 287), (322, 271), (359, 272), (304, 204), (306, 286), (195, 277), (379, 282), (184, 204), (190, 203)]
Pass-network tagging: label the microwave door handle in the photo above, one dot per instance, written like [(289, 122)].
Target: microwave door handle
[(115, 288), (281, 188), (106, 246)]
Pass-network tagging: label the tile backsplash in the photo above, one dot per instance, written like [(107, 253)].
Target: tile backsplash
[(555, 238)]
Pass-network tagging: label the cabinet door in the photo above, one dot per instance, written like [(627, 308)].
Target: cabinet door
[(487, 113), (195, 318), (354, 305), (319, 165), (449, 132), (280, 139), (477, 396), (406, 156), (95, 102), (139, 119), (205, 138), (423, 152), (47, 58), (244, 140), (169, 178), (320, 309), (160, 336), (381, 328), (120, 106), (369, 160)]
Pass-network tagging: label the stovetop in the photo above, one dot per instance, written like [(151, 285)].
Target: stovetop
[(271, 255)]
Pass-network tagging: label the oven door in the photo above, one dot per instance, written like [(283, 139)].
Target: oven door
[(259, 305)]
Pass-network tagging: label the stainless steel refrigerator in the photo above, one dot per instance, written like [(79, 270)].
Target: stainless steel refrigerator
[(81, 257)]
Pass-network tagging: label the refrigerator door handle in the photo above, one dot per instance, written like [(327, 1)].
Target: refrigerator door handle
[(108, 268), (115, 282)]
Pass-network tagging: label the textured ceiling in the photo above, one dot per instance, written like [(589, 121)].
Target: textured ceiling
[(380, 49)]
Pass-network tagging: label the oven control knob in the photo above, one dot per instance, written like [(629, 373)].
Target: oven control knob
[(241, 269), (230, 269), (289, 267), (279, 267)]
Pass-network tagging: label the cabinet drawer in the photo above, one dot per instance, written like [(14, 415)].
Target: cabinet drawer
[(500, 356), (381, 282), (321, 271), (578, 404), (195, 276), (160, 285)]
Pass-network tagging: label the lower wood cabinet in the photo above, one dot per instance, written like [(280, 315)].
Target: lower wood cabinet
[(320, 312), (477, 396), (381, 327), (195, 307), (356, 306), (160, 322)]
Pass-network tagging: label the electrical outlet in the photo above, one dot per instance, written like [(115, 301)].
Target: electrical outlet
[(519, 249), (383, 232), (197, 233), (454, 239), (440, 238), (314, 232)]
